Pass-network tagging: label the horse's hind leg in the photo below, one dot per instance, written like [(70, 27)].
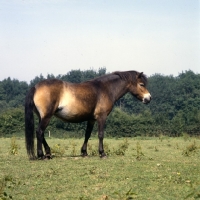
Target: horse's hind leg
[(90, 125), (41, 140), (47, 149)]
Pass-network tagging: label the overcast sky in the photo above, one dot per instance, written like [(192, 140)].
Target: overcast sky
[(56, 36)]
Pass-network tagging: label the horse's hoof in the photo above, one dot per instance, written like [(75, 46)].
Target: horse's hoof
[(103, 156), (84, 155), (40, 157), (47, 157)]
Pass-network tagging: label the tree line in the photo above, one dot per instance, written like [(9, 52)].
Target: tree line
[(173, 111)]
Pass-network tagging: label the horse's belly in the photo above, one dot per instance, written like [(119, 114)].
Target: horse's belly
[(72, 115)]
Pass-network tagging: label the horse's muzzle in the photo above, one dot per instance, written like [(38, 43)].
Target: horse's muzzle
[(146, 98)]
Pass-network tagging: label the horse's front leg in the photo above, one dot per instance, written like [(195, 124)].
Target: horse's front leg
[(90, 125), (101, 123)]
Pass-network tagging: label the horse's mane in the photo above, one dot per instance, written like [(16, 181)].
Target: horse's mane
[(131, 76)]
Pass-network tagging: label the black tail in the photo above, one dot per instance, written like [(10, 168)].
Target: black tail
[(29, 123)]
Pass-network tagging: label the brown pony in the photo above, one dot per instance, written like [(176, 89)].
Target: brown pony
[(88, 101)]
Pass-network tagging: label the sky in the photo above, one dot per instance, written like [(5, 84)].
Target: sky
[(57, 36)]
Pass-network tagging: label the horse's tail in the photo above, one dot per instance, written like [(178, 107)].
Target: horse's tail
[(29, 123)]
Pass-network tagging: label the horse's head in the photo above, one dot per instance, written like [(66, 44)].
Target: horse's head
[(138, 88)]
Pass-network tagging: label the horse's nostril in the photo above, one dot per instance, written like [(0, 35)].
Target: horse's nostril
[(147, 100)]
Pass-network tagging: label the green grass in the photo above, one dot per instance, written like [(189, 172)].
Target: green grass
[(147, 168)]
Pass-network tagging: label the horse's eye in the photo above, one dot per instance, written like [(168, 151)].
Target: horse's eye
[(142, 84)]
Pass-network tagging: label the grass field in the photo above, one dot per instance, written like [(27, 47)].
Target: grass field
[(151, 168)]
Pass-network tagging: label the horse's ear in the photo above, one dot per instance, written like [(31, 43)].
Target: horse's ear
[(140, 75)]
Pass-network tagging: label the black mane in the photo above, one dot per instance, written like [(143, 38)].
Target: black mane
[(131, 76)]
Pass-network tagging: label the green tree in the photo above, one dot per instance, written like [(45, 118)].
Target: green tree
[(11, 121)]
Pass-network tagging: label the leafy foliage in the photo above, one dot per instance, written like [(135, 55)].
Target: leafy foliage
[(11, 121)]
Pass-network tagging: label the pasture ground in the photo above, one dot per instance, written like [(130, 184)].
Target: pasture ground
[(152, 168)]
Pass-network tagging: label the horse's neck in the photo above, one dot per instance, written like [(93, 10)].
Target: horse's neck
[(118, 89)]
